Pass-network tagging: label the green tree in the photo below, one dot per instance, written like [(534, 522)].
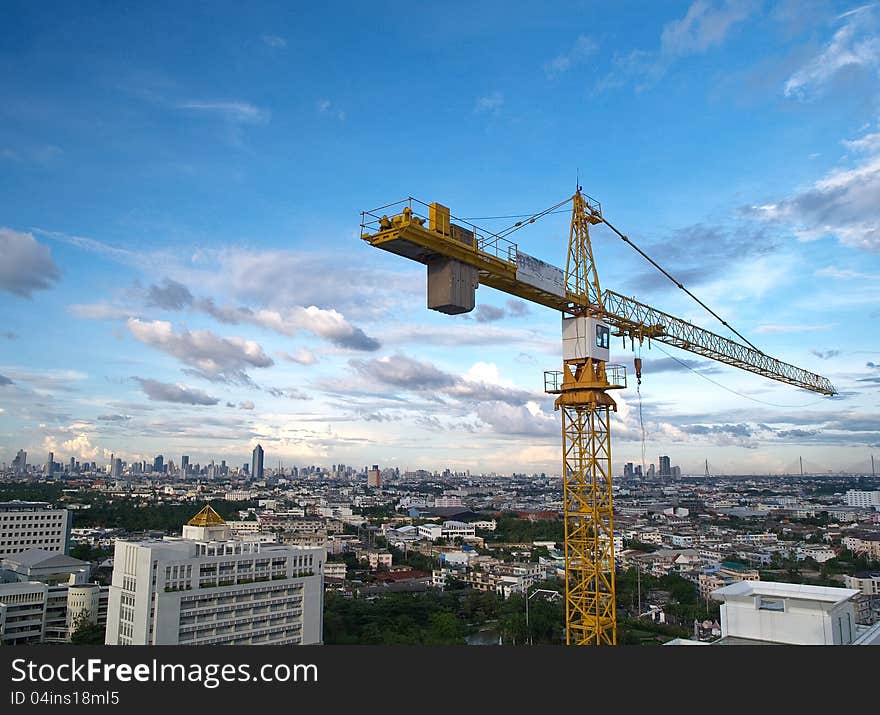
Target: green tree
[(84, 632)]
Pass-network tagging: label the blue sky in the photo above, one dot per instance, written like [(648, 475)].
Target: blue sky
[(181, 189)]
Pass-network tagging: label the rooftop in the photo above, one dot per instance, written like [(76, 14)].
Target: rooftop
[(23, 505), (206, 517), (825, 594), (43, 559)]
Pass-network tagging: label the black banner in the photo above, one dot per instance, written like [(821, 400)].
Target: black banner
[(226, 678)]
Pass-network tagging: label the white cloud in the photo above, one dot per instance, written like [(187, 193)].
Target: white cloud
[(79, 445), (274, 41), (845, 274), (584, 47), (303, 356), (867, 143), (850, 47), (325, 106), (489, 103), (26, 265), (234, 111), (844, 203), (212, 357), (167, 392), (507, 419), (99, 311), (706, 24)]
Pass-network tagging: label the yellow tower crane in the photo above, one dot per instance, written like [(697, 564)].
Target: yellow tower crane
[(460, 256)]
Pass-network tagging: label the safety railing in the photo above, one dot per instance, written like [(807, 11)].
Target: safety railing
[(409, 210)]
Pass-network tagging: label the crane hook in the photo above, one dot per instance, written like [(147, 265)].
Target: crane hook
[(638, 365)]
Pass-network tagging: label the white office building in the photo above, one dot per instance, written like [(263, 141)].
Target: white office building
[(33, 525), (205, 588), (449, 530), (854, 497), (43, 596)]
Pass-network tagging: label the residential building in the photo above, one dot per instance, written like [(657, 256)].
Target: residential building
[(375, 559), (818, 552), (33, 525), (205, 588), (334, 570), (714, 577), (864, 544), (865, 582), (447, 501), (374, 477)]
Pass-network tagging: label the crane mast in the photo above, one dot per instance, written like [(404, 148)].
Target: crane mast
[(460, 256), (588, 510)]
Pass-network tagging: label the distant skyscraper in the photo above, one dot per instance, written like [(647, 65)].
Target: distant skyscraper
[(159, 464), (116, 471), (374, 477), (19, 464), (651, 471), (665, 467), (50, 464), (184, 464), (628, 470), (257, 462)]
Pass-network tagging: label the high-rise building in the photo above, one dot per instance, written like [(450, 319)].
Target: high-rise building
[(206, 588), (116, 471), (628, 470), (184, 464), (665, 468), (33, 525), (19, 464), (257, 462), (159, 464), (651, 471), (676, 473), (374, 477), (72, 468), (50, 464)]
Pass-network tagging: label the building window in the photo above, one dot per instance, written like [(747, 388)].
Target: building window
[(766, 603)]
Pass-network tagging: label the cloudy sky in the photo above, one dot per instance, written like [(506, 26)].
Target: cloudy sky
[(180, 267)]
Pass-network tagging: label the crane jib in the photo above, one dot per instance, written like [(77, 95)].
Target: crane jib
[(501, 265)]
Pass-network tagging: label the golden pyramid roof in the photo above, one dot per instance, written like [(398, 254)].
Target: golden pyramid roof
[(206, 517)]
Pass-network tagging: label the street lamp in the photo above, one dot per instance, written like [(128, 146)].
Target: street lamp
[(528, 598)]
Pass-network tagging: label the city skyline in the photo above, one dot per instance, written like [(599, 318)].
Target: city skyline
[(183, 276)]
